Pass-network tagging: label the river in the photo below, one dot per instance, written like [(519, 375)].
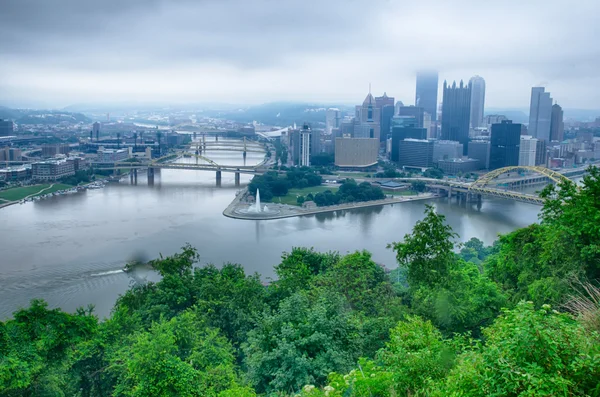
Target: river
[(69, 250)]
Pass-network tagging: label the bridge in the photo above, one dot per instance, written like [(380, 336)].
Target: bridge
[(481, 187), (240, 146)]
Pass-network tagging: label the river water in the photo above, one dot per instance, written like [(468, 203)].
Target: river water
[(69, 250)]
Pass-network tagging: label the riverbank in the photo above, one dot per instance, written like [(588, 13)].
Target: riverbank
[(279, 211), (37, 192)]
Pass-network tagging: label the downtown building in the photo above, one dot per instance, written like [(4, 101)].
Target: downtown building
[(527, 150), (447, 150), (505, 141), (557, 125), (540, 114), (456, 113), (303, 143), (477, 85), (415, 153), (385, 104), (480, 151), (426, 92)]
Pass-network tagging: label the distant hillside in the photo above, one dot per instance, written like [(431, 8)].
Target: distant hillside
[(522, 115), (279, 113), (28, 116)]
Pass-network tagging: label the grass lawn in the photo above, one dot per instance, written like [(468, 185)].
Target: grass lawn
[(19, 193), (293, 194)]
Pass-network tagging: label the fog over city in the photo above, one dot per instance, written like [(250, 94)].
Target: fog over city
[(56, 53)]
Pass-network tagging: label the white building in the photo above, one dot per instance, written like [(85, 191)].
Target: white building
[(333, 118), (113, 155), (527, 150), (52, 170), (305, 143), (447, 150)]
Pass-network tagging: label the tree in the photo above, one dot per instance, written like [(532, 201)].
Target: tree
[(528, 352), (308, 337), (418, 186), (176, 357), (427, 252)]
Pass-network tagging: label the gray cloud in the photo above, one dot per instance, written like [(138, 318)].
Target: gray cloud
[(262, 50)]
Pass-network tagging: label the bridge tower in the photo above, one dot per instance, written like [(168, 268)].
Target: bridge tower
[(237, 179), (218, 177), (150, 176), (244, 153)]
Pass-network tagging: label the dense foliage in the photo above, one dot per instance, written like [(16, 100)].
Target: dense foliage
[(348, 192), (275, 184), (452, 320)]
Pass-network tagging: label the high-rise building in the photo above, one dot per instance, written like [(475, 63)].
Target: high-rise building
[(333, 119), (413, 111), (385, 104), (417, 153), (445, 150), (505, 140), (305, 141), (557, 125), (477, 85), (527, 148), (6, 127), (369, 113), (426, 92), (96, 130), (456, 113), (480, 150), (540, 114), (493, 119)]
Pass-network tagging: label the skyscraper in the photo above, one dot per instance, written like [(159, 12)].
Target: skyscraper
[(540, 113), (385, 104), (368, 117), (557, 126), (456, 113), (332, 119), (505, 140), (477, 85), (415, 111), (426, 93)]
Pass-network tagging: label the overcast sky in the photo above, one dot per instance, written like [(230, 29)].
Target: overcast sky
[(61, 52)]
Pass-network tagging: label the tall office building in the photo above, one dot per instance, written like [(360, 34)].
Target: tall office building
[(557, 125), (369, 114), (426, 92), (332, 119), (505, 140), (96, 130), (6, 127), (541, 153), (527, 148), (356, 153), (540, 114), (305, 143), (456, 113), (385, 104), (477, 85)]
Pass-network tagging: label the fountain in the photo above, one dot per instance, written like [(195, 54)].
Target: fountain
[(255, 209)]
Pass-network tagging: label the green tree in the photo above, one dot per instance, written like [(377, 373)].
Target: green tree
[(177, 357), (427, 253), (529, 352), (308, 337), (418, 186)]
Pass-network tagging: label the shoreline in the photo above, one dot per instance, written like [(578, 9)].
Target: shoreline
[(294, 211), (38, 194)]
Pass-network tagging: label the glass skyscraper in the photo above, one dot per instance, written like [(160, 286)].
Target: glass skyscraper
[(540, 114), (426, 93), (456, 113)]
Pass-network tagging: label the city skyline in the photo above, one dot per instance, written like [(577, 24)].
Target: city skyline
[(68, 52)]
